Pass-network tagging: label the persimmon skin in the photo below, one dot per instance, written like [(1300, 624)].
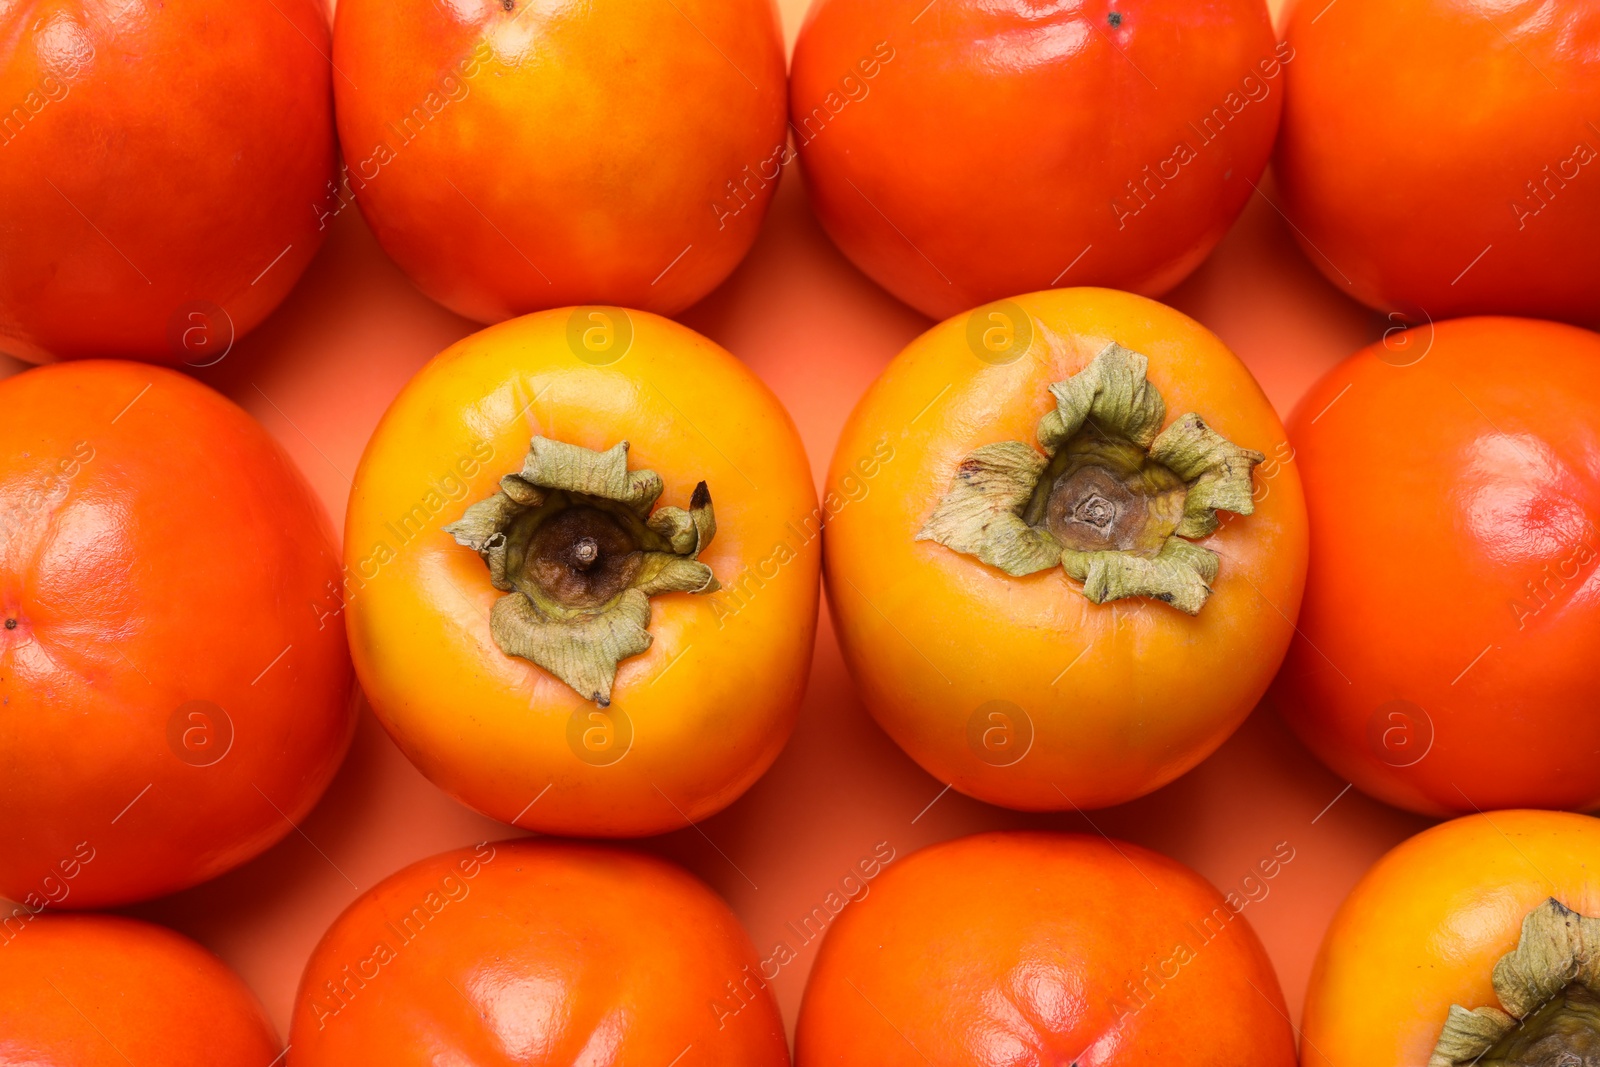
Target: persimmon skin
[(1382, 166), (1021, 948), (1424, 927), (713, 700), (962, 154), (557, 953), (160, 553), (514, 156), (1451, 496), (174, 159), (104, 991), (1122, 697)]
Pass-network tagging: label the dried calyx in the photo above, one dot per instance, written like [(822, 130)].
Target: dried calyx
[(1114, 499), (1549, 993), (573, 543)]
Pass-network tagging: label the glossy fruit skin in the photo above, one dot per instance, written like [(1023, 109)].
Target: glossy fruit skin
[(1453, 498), (158, 549), (104, 991), (1424, 927), (1381, 161), (558, 953), (1122, 697), (989, 149), (1020, 948), (174, 159), (513, 157), (713, 700)]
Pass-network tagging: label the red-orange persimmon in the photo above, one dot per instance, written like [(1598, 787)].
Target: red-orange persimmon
[(1012, 949), (104, 991), (164, 170), (537, 954), (969, 150), (1440, 157), (174, 681), (1445, 659), (515, 156)]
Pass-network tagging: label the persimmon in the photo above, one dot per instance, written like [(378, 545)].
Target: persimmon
[(1033, 948), (581, 566), (1473, 942), (536, 954), (1437, 157), (1445, 657), (1031, 582), (513, 156), (165, 172), (964, 153), (104, 991), (174, 681)]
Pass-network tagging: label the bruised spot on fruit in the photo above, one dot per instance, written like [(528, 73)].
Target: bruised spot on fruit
[(11, 624), (1115, 19)]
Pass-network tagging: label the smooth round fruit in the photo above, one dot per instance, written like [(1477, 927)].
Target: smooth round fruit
[(1445, 660), (168, 173), (1020, 948), (964, 153), (103, 991), (174, 684), (1436, 155), (536, 954), (518, 722), (1423, 930), (1014, 687), (515, 156)]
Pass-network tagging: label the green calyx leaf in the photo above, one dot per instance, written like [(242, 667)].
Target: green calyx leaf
[(981, 515), (1549, 993), (573, 543), (1113, 498)]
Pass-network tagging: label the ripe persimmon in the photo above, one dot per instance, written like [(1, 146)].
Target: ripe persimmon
[(1032, 585), (175, 693), (1445, 660), (1475, 942), (536, 954), (1036, 948), (964, 152), (165, 170), (541, 639), (1438, 157), (514, 156), (104, 991)]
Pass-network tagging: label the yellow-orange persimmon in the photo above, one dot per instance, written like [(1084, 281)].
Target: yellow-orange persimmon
[(1072, 548), (1411, 971), (581, 568)]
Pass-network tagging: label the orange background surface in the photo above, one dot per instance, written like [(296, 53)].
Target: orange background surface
[(321, 371)]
